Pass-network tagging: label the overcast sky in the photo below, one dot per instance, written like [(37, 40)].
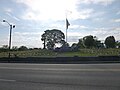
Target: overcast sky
[(100, 18)]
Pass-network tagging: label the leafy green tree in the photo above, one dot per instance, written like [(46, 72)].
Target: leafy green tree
[(89, 41), (44, 39), (15, 48), (22, 48), (110, 42), (50, 45), (5, 47), (81, 43), (52, 37), (65, 47), (97, 43), (118, 44), (74, 47)]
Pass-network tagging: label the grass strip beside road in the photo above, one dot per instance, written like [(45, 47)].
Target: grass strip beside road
[(48, 53)]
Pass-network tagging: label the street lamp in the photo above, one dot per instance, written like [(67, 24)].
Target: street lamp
[(11, 27)]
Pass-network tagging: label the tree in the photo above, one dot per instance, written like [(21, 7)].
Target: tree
[(74, 47), (97, 43), (52, 37), (89, 41), (118, 44), (110, 42), (5, 47), (44, 39), (81, 43), (22, 48), (14, 48)]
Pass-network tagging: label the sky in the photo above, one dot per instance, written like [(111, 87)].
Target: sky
[(99, 18)]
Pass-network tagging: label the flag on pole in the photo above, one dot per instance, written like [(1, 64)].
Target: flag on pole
[(67, 24)]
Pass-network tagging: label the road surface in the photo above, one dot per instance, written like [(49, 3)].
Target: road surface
[(14, 76)]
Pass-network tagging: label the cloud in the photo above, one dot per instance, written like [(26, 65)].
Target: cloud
[(83, 27), (98, 14), (2, 23), (56, 26), (30, 39), (98, 19), (12, 16), (75, 34), (101, 2), (82, 14), (73, 39), (27, 33), (78, 27), (116, 20), (8, 10), (102, 33), (74, 26), (47, 9), (118, 28), (3, 40), (118, 13), (31, 16)]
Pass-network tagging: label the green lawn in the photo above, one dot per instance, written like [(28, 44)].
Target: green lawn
[(29, 53), (93, 52), (47, 53)]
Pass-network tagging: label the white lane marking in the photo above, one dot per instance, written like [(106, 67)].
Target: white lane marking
[(7, 80), (53, 69), (28, 64)]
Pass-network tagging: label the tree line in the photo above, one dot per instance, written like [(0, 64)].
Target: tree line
[(53, 37), (14, 48)]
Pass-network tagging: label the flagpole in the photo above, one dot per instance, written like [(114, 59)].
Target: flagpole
[(66, 34), (66, 26), (66, 29)]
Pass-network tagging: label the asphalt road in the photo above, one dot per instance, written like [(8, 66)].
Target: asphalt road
[(59, 76)]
